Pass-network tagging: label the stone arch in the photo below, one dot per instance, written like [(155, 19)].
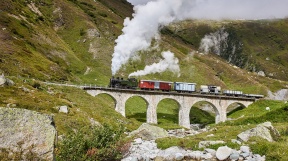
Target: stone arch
[(138, 116), (215, 110), (168, 113)]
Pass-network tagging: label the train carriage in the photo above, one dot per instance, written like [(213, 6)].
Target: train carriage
[(232, 93), (155, 85), (184, 87)]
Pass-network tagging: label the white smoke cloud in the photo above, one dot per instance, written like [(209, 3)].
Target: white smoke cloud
[(168, 63), (137, 2), (212, 41), (139, 31)]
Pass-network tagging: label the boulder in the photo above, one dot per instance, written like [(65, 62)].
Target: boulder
[(149, 132), (5, 81), (264, 130), (9, 82), (63, 109), (27, 132), (223, 152)]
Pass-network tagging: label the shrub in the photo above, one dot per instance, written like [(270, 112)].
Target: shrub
[(98, 143)]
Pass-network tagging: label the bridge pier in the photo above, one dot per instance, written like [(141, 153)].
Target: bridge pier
[(152, 108)]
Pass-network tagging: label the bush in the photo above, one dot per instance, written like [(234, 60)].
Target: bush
[(98, 143)]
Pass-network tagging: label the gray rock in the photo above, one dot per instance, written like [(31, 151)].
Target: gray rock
[(281, 95), (179, 156), (234, 156), (204, 144), (263, 130), (195, 155), (211, 151), (261, 73), (9, 82), (149, 132), (223, 152), (21, 130), (245, 149), (235, 141), (63, 109), (245, 155), (2, 80), (171, 152)]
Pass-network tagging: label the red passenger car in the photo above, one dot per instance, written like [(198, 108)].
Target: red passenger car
[(155, 85)]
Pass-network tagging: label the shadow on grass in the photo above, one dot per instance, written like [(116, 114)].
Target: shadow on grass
[(235, 110), (198, 116), (141, 117)]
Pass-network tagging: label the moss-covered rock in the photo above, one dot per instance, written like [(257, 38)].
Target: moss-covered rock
[(27, 132)]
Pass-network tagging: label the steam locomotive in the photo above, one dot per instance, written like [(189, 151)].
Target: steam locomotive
[(181, 87)]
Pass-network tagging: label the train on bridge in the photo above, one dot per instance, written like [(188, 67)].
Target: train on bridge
[(181, 87)]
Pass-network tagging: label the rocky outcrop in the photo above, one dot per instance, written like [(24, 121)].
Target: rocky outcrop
[(5, 81), (26, 131), (281, 95), (149, 132), (264, 130)]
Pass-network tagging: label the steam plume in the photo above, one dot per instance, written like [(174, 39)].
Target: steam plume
[(168, 63), (149, 17)]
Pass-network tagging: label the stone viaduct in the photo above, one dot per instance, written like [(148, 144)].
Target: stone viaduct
[(185, 101)]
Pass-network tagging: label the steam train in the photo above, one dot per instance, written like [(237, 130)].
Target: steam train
[(181, 87)]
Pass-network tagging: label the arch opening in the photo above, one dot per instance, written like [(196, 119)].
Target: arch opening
[(203, 113), (168, 113), (233, 110), (106, 98), (136, 108)]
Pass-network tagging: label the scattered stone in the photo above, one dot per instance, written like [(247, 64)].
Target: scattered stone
[(9, 82), (234, 155), (143, 150), (245, 155), (235, 141), (25, 89), (94, 122), (204, 144), (63, 109), (25, 130), (223, 152), (245, 149), (149, 132), (2, 80), (261, 73), (210, 135), (211, 151), (195, 155), (263, 130)]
